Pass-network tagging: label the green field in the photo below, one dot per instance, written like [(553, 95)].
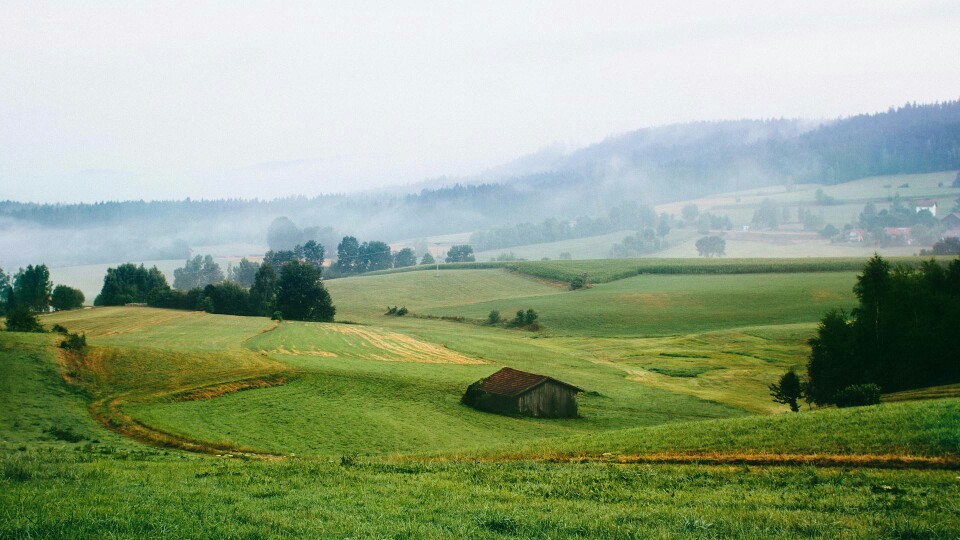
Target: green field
[(356, 430)]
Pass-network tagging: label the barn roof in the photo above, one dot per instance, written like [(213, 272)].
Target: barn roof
[(926, 203), (511, 382)]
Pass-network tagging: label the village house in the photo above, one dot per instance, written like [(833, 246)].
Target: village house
[(951, 221), (856, 235), (511, 391), (929, 205), (905, 233)]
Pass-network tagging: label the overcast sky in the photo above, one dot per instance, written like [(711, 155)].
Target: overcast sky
[(125, 99)]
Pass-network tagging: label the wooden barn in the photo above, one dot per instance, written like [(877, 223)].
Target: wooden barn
[(511, 391)]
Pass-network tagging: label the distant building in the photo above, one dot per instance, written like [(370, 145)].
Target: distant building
[(511, 391), (952, 233), (951, 221), (905, 233), (929, 205), (856, 235)]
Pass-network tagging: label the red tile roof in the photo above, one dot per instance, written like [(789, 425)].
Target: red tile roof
[(511, 382)]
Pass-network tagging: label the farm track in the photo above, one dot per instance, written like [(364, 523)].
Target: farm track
[(108, 410)]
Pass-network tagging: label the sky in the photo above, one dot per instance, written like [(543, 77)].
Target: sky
[(167, 100)]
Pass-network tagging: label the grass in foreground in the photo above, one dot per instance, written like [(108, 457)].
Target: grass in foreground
[(101, 485), (83, 495)]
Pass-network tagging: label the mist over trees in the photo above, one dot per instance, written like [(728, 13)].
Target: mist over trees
[(198, 272), (625, 216), (651, 165)]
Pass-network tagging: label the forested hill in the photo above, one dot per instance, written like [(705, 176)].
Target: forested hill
[(648, 166), (691, 160)]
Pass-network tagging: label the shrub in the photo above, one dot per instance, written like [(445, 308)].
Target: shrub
[(391, 310), (277, 316), (858, 395), (494, 317), (402, 311), (74, 342), (21, 319), (577, 283), (60, 329)]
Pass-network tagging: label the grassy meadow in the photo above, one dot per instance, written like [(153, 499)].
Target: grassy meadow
[(192, 425)]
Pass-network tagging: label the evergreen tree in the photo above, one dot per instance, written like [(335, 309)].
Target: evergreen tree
[(32, 287), (788, 390)]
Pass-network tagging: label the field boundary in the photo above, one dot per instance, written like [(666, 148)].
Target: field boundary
[(607, 270), (868, 461)]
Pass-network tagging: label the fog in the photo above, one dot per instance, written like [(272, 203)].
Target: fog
[(108, 101)]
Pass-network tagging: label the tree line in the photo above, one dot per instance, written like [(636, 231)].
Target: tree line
[(289, 289), (29, 292), (902, 335)]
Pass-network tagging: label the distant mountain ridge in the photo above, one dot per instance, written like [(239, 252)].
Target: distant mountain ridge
[(651, 165)]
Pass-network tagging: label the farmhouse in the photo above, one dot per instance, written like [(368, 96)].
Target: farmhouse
[(929, 205), (951, 221), (856, 235), (511, 391), (902, 233)]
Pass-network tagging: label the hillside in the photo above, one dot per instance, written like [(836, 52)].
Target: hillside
[(80, 480), (652, 166), (188, 424)]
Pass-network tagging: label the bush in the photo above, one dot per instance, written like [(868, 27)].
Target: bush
[(74, 342), (526, 318), (494, 317), (391, 310), (402, 311), (21, 319), (577, 283), (277, 316), (858, 395), (60, 329)]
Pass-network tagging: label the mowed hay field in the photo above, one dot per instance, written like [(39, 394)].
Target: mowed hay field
[(356, 430), (653, 305)]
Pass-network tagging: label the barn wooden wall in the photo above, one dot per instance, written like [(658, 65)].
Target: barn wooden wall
[(549, 400)]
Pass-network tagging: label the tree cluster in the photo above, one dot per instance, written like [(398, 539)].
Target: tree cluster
[(643, 242), (902, 335), (460, 253), (625, 216), (296, 292), (197, 272), (355, 258), (28, 293), (711, 246)]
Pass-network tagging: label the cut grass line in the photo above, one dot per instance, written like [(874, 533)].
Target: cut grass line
[(866, 461)]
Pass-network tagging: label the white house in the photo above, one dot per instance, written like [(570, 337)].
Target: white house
[(929, 205)]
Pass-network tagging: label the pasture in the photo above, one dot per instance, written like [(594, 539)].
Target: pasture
[(334, 430)]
